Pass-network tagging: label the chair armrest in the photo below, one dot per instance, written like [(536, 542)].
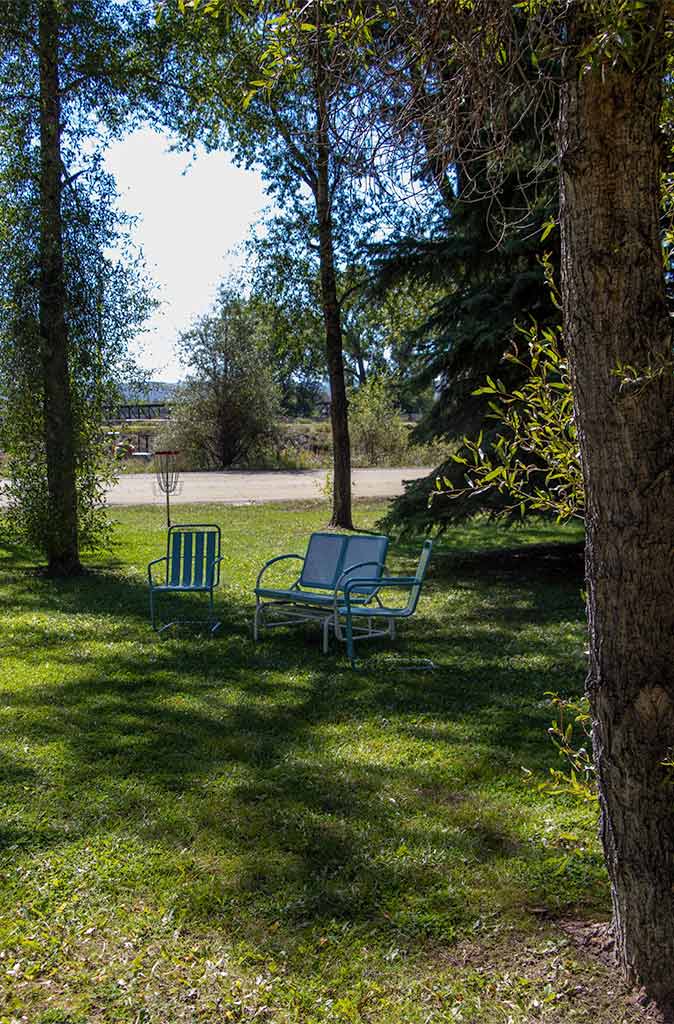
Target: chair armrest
[(278, 558), (156, 561), (212, 565)]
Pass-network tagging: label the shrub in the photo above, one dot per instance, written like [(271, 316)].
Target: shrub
[(378, 434)]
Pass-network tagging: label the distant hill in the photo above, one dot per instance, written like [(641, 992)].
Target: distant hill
[(155, 392)]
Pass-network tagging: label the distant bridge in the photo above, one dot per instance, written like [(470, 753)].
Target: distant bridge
[(139, 411)]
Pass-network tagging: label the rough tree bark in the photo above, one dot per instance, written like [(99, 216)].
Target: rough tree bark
[(62, 542), (615, 316), (341, 445)]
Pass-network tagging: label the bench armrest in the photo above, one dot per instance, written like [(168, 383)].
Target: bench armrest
[(392, 582), (372, 583), (278, 558)]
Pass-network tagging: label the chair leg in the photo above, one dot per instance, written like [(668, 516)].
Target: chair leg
[(326, 635), (152, 615), (213, 624), (256, 621), (392, 628)]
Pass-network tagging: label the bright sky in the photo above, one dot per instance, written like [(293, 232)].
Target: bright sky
[(194, 211)]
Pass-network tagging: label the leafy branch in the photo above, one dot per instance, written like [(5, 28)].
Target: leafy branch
[(535, 460)]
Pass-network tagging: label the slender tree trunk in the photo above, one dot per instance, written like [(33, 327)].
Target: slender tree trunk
[(360, 362), (341, 445), (611, 256), (62, 539)]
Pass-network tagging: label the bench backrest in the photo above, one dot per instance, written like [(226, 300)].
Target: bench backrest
[(364, 548), (330, 554), (323, 560), (191, 550)]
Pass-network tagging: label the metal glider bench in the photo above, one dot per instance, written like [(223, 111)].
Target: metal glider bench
[(330, 562)]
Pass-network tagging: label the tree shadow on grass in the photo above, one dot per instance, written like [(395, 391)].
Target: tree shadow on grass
[(18, 559), (268, 782), (45, 613)]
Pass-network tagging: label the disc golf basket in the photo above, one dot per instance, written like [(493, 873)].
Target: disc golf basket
[(168, 477)]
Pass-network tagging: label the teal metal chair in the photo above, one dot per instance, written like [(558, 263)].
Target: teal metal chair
[(328, 565), (353, 618), (191, 565)]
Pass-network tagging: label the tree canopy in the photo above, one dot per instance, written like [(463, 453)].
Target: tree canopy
[(68, 76)]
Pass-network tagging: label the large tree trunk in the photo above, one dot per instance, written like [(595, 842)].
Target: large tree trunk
[(611, 260), (62, 539), (341, 445)]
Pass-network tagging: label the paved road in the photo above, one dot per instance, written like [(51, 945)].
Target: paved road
[(241, 488)]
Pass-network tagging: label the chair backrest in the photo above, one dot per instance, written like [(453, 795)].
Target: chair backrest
[(192, 550), (323, 560), (364, 548), (330, 554), (419, 576)]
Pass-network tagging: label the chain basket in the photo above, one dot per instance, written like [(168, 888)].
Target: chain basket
[(167, 476)]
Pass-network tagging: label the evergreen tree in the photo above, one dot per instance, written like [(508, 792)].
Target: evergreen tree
[(490, 277)]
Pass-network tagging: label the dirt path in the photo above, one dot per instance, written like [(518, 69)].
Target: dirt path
[(241, 488)]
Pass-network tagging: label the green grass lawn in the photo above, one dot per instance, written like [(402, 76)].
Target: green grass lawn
[(200, 829)]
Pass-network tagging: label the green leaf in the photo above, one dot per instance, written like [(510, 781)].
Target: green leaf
[(547, 228)]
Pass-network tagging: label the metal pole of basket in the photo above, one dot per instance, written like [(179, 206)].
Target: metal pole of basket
[(167, 474)]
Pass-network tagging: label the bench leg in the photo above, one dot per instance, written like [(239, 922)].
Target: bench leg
[(349, 640)]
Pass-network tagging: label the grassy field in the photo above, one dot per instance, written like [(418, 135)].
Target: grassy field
[(204, 830)]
